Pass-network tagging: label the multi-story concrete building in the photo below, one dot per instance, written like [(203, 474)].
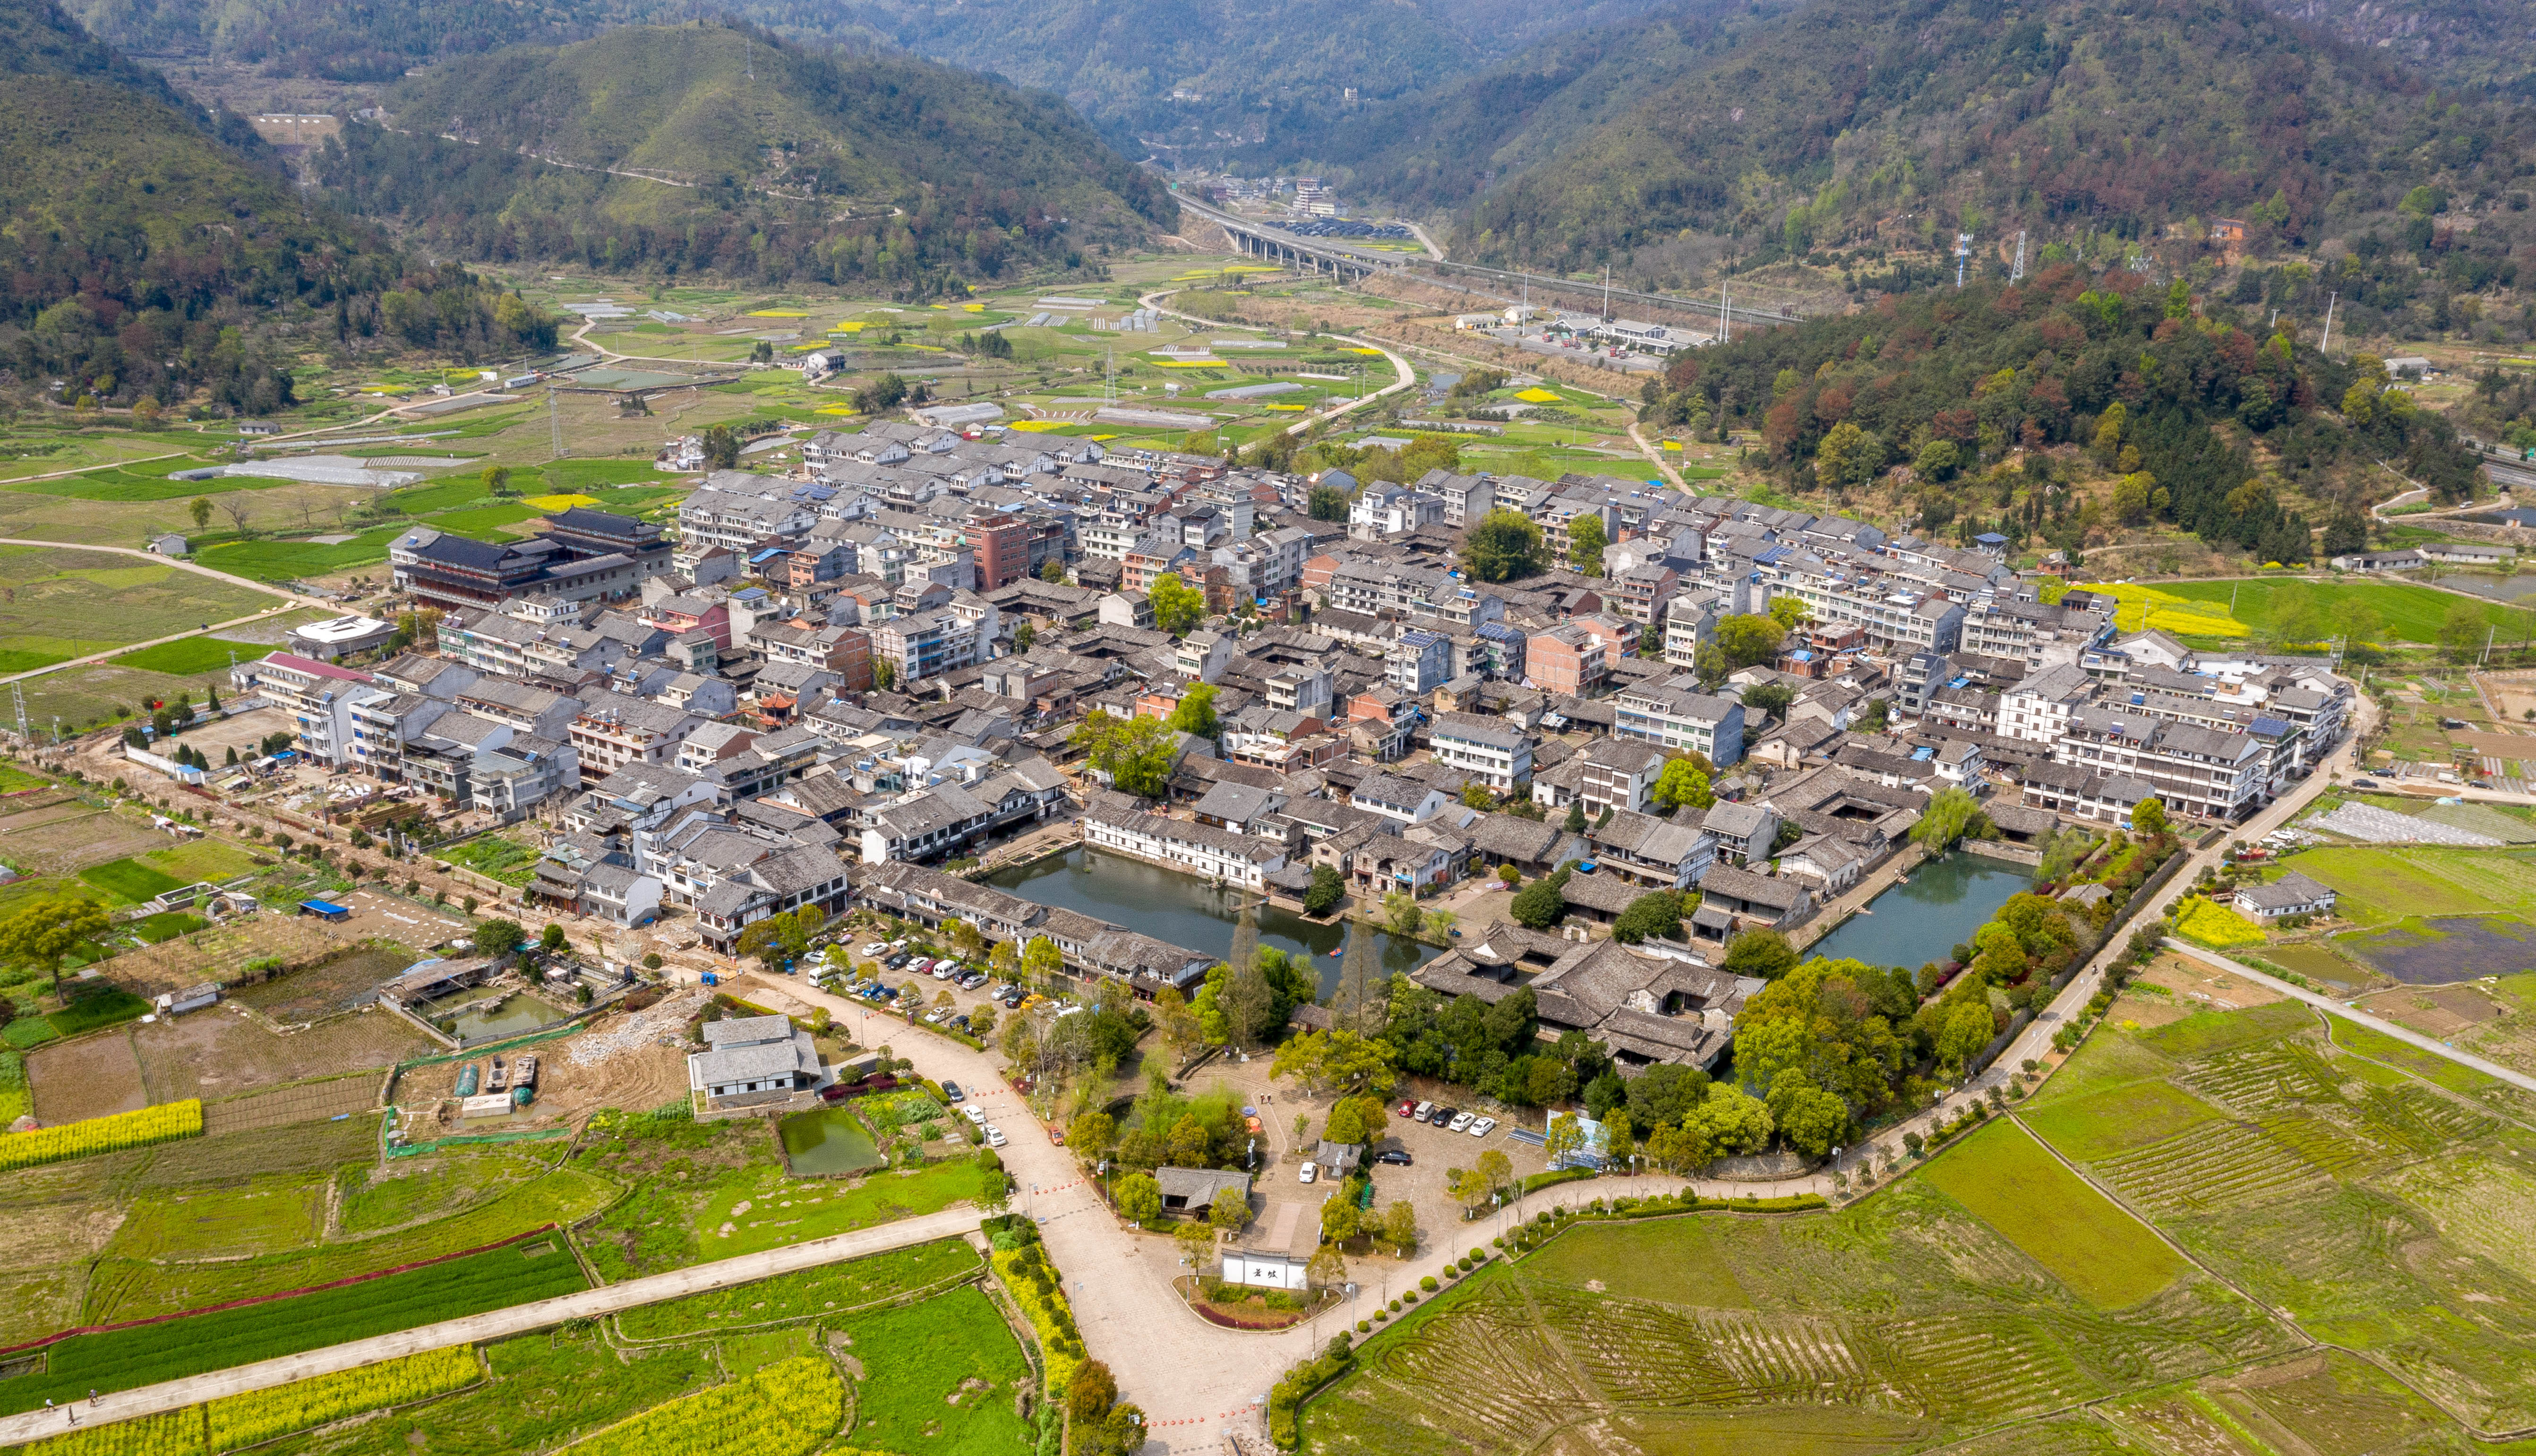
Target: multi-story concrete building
[(923, 645), (1381, 510), (319, 698), (1895, 616), (1691, 623), (1001, 544), (1419, 662), (1642, 592), (2037, 709), (1489, 750), (2035, 634), (2202, 773), (1677, 715), (620, 731), (1565, 660), (1244, 859), (1616, 775)]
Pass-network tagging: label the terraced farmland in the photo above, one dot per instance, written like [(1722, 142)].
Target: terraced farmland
[(1974, 1305), (1892, 1325)]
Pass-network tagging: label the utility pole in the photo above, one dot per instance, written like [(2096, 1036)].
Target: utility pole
[(18, 696), (554, 424), (2327, 341), (2486, 659), (1725, 331), (1607, 293)]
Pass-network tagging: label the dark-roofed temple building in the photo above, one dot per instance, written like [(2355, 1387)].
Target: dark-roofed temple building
[(582, 555)]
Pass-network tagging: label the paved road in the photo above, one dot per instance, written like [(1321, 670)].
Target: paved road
[(494, 1324), (2354, 1014)]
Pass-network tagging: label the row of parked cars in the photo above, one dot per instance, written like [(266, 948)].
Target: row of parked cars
[(1451, 1119), (977, 1116)]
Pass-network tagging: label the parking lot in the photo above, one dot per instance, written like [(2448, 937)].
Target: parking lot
[(1286, 1211)]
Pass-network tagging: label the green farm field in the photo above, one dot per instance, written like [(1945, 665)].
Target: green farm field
[(2003, 1177), (2407, 613), (123, 1358), (195, 656), (128, 1283), (2102, 1123), (66, 602), (687, 1184), (2328, 1147), (811, 1293), (2380, 885), (1899, 1323), (938, 1374), (1969, 1302)]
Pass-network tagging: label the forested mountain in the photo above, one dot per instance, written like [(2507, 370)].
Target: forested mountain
[(719, 147), (154, 250), (1119, 61), (2482, 43), (2171, 396), (1253, 69), (1867, 121)]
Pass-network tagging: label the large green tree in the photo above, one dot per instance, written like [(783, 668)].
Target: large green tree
[(1505, 545), (1748, 641), (1177, 606), (48, 931), (1134, 753), (1586, 540)]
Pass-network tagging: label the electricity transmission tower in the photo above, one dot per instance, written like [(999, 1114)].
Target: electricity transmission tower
[(2016, 273)]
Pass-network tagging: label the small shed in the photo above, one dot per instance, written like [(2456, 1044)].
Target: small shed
[(324, 909), (191, 999), (1193, 1190), (1339, 1158), (1263, 1269), (169, 544)]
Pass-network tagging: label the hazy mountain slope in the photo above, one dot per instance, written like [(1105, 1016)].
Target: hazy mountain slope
[(749, 156), (138, 226), (1843, 117)]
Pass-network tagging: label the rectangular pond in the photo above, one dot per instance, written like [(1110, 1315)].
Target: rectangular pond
[(827, 1143), (1925, 916), (469, 1017), (1189, 912)]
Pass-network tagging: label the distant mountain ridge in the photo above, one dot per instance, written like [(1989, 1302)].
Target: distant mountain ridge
[(1843, 120), (139, 223), (723, 146)]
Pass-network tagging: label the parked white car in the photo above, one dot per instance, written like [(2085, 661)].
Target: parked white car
[(1484, 1127), (876, 948), (1461, 1122), (973, 1113), (994, 1136), (1311, 1172)]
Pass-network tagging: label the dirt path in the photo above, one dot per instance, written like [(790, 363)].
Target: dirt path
[(2356, 1016), (171, 1395), (129, 647), (1400, 367)]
